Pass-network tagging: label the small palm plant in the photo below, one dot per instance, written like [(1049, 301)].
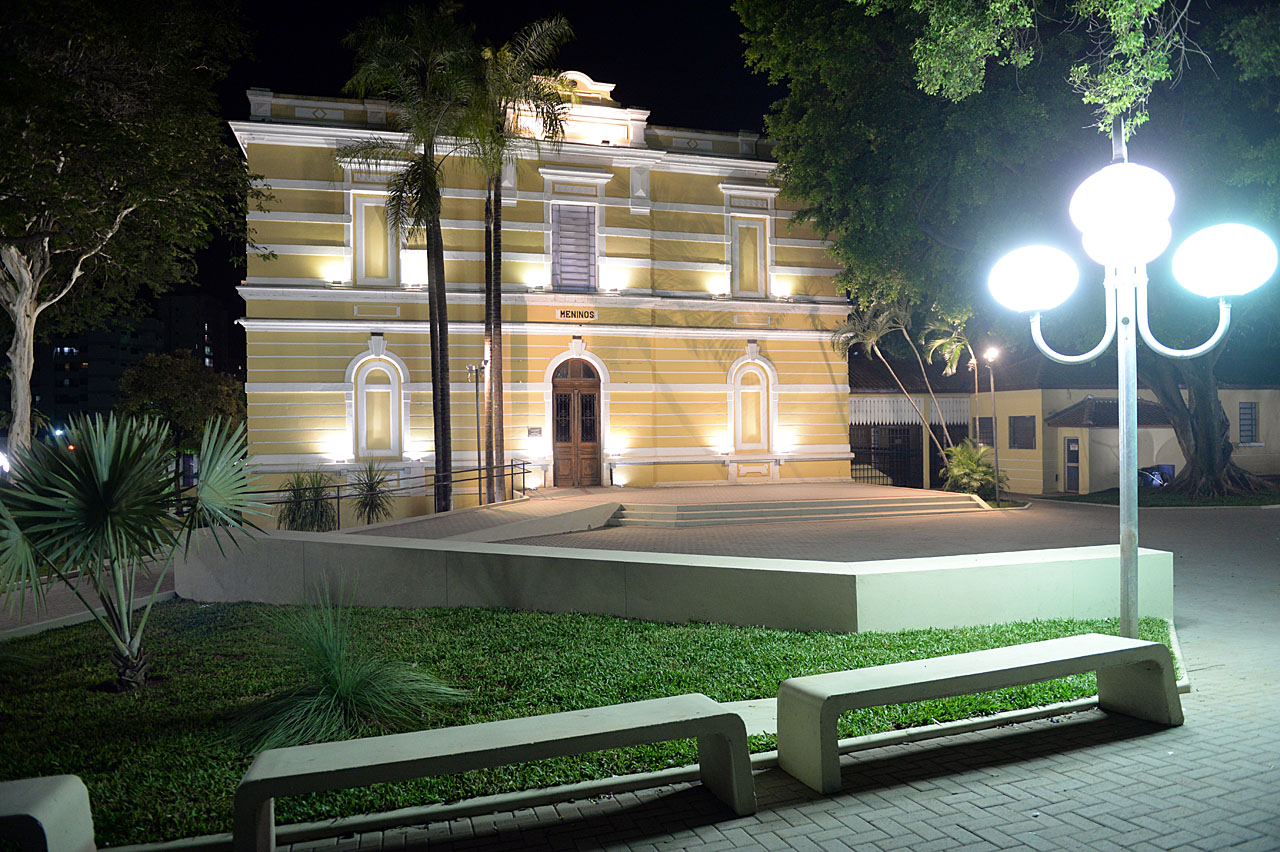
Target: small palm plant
[(969, 471), (93, 509), (372, 496), (348, 690), (308, 505)]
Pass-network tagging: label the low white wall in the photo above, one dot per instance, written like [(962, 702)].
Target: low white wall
[(287, 567)]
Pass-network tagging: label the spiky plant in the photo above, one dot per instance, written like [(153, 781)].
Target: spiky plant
[(372, 497), (969, 471), (308, 506), (92, 509), (348, 690)]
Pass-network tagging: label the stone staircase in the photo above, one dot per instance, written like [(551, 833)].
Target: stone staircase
[(708, 514)]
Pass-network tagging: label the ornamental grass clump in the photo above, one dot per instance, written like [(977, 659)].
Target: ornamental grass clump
[(969, 471), (373, 498), (308, 505), (349, 690)]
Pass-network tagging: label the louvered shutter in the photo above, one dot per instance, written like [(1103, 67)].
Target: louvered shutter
[(573, 247)]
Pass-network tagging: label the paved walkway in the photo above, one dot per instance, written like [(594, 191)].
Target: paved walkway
[(1088, 781)]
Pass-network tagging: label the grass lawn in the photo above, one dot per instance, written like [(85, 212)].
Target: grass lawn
[(160, 765), (1161, 497)]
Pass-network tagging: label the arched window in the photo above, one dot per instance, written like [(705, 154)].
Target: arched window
[(378, 409), (751, 408)]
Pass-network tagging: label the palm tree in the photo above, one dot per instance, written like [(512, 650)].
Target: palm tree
[(423, 61), (865, 329), (947, 338), (515, 82), (92, 509)]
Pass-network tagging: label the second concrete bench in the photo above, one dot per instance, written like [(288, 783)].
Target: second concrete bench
[(1134, 677), (723, 758)]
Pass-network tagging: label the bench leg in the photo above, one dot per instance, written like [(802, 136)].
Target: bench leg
[(254, 827), (724, 763), (807, 745), (1146, 690)]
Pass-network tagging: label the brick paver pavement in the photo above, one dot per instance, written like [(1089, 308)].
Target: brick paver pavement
[(1089, 781)]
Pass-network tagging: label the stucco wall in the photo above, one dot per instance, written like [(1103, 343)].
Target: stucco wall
[(287, 568)]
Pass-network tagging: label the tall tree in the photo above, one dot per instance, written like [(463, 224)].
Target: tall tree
[(519, 97), (184, 395), (423, 61), (920, 194), (865, 329), (114, 167)]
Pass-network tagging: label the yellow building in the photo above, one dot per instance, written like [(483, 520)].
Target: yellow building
[(662, 322), (1055, 425)]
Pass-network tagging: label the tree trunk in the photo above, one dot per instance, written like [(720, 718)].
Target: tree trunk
[(919, 413), (495, 352), (488, 343), (21, 360), (438, 319), (20, 303), (132, 670), (946, 433), (1200, 425)]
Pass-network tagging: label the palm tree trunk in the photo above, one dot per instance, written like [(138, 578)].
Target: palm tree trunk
[(946, 433), (438, 319), (919, 413), (488, 344), (499, 440)]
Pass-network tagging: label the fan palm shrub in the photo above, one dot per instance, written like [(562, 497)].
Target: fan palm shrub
[(308, 505), (93, 509), (348, 690), (969, 470), (373, 498)]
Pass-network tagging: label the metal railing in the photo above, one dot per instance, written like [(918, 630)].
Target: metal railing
[(511, 473)]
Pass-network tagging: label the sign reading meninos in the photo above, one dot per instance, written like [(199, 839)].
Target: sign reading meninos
[(576, 314)]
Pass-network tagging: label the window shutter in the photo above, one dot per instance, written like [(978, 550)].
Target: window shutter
[(573, 247)]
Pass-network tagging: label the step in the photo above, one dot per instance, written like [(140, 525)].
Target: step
[(673, 523), (783, 509)]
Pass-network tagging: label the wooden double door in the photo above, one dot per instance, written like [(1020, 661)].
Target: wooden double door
[(575, 424)]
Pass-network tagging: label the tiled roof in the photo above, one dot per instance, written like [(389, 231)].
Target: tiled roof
[(1102, 412), (868, 375)]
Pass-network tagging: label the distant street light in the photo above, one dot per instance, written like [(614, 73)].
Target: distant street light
[(1123, 212), (991, 355)]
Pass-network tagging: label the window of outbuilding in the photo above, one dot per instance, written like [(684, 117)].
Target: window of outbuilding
[(1022, 433)]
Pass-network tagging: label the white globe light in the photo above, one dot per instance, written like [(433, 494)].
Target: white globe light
[(1135, 243), (1033, 278), (1225, 260), (1120, 194)]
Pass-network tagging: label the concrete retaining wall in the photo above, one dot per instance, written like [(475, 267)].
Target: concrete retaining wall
[(287, 567)]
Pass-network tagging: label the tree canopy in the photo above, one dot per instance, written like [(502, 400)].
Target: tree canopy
[(928, 137), (114, 162)]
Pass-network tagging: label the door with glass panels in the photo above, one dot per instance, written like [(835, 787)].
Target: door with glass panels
[(575, 414), (1072, 456)]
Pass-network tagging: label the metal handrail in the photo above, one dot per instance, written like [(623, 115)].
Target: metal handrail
[(424, 481)]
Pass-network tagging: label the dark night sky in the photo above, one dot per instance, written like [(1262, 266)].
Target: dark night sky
[(681, 60)]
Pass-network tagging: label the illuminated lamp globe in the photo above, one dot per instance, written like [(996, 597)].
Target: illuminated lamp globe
[(1123, 211), (1132, 244), (1121, 193), (1225, 260), (1033, 278)]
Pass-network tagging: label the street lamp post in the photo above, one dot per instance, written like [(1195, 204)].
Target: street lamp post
[(990, 355), (1122, 212), (475, 373)]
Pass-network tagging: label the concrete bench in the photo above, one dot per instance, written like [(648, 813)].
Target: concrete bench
[(723, 758), (1134, 677), (49, 814)]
